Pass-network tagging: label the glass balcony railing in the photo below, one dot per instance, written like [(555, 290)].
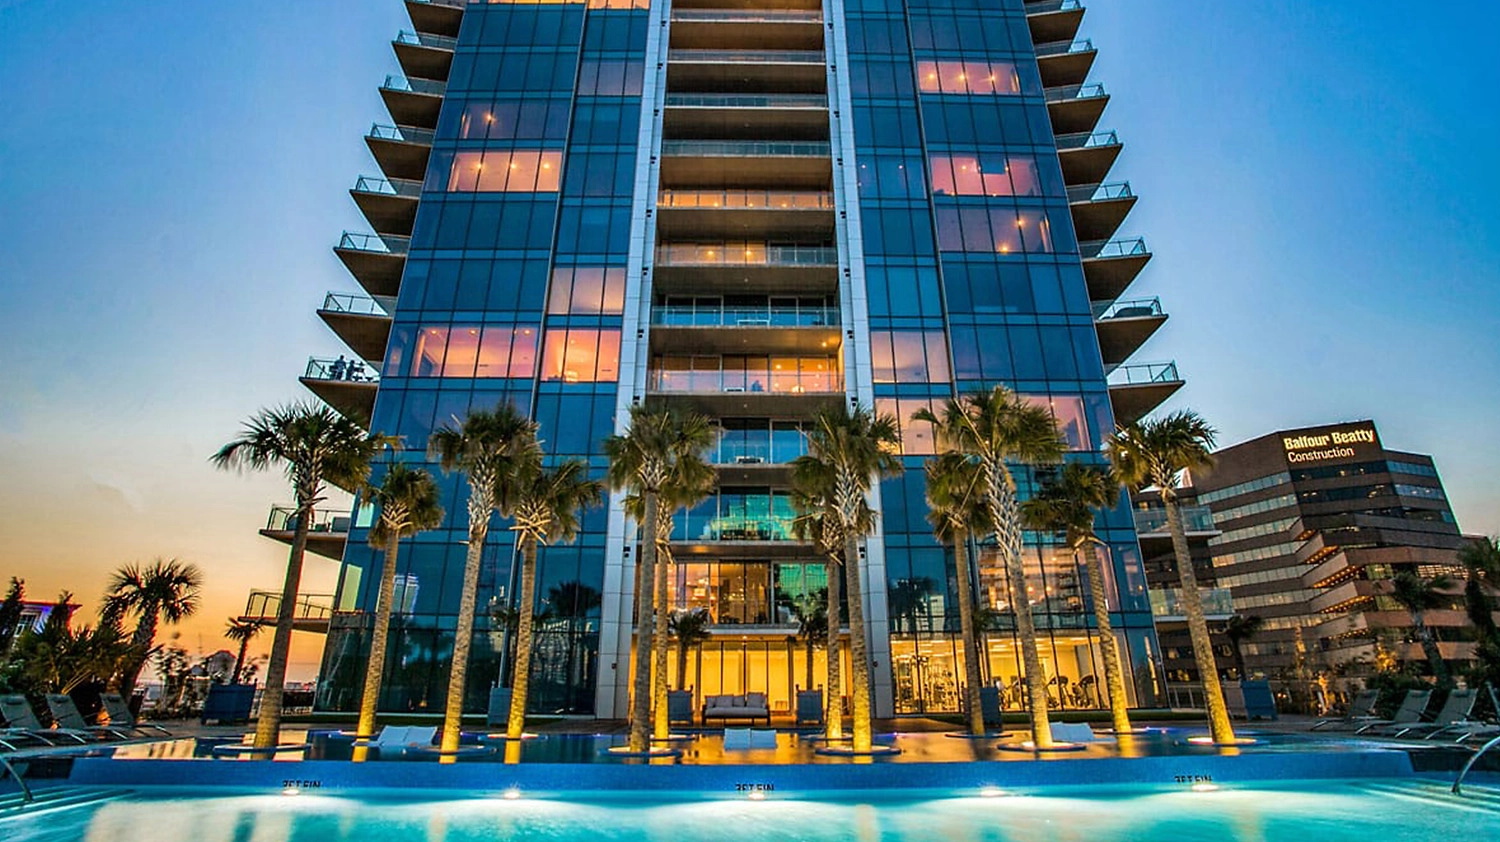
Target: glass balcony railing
[(742, 254), (356, 304), (744, 149), (748, 374), (1043, 7), (374, 243), (752, 199), (388, 186), (1130, 308), (747, 56), (1087, 140), (731, 515), (740, 316), (426, 39), (431, 87), (1062, 48), (265, 605), (1113, 248), (1100, 192), (1167, 602), (747, 15), (1154, 520), (401, 134), (284, 519), (453, 4), (770, 443), (1067, 93), (342, 370), (1144, 374), (747, 101)]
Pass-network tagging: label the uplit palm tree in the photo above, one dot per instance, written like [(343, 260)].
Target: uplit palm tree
[(1156, 453), (993, 428), (1068, 505), (957, 511), (1418, 596), (548, 503), (689, 629), (409, 502), (315, 447), (643, 461), (491, 448), (162, 590), (691, 482), (815, 524), (241, 632), (847, 453), (1239, 630)]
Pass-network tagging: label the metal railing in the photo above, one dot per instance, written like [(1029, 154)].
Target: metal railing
[(26, 796), (1042, 7), (1100, 192), (746, 101), (374, 243), (1113, 248), (1154, 521), (264, 605), (1066, 93), (1062, 48), (355, 304), (762, 450), (452, 4), (388, 186), (1130, 308), (751, 199), (745, 148), (694, 254), (1142, 374), (403, 134), (426, 39), (747, 15), (1087, 140), (748, 56), (1167, 602), (759, 381), (284, 519), (348, 371), (741, 316), (430, 87)]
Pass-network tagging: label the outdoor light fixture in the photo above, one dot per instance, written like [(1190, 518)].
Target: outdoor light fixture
[(756, 795), (1205, 787), (291, 790), (511, 794), (992, 792)]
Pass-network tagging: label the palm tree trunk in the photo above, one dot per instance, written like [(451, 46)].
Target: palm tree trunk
[(834, 724), (966, 631), (379, 635), (858, 649), (1239, 658), (1192, 607), (239, 660), (141, 641), (463, 636), (1114, 672), (807, 645), (659, 642), (645, 625), (682, 653), (1430, 649), (268, 721), (520, 683), (1006, 514)]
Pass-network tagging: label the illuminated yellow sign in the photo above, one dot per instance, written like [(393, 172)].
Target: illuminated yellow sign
[(1334, 444)]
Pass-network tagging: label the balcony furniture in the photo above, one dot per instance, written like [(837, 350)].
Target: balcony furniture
[(751, 706)]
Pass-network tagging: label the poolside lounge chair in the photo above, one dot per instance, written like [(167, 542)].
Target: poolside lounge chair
[(21, 721), (398, 738), (1361, 712), (65, 713), (1409, 713), (120, 716), (1454, 713), (1073, 732)]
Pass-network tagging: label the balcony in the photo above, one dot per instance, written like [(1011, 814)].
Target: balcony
[(1064, 62), (1054, 20), (1100, 209), (1110, 266), (1125, 326), (425, 55), (1197, 521), (1076, 108), (348, 387), (745, 268), (746, 71), (733, 29), (738, 523), (746, 164), (401, 151), (374, 260), (1087, 157), (733, 329), (1345, 597), (745, 214), (756, 385), (413, 102), (390, 205), (1135, 390), (784, 116), (1166, 604), (757, 451), (326, 537), (312, 613), (440, 17), (362, 322)]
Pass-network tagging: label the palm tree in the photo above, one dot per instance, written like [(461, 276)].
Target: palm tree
[(812, 629), (409, 503), (162, 590), (1418, 596), (814, 523), (1481, 559), (1157, 453), (493, 448), (691, 482), (548, 503), (242, 633), (643, 461), (689, 629), (1068, 505), (847, 453), (315, 447), (992, 428), (957, 512), (1239, 630)]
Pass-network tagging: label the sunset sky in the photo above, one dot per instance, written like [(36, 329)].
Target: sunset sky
[(1318, 185)]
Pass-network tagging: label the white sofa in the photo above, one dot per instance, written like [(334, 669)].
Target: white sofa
[(751, 706)]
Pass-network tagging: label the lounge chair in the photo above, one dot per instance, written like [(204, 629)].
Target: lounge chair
[(120, 716), (1456, 709), (398, 738), (1073, 732), (65, 713), (1361, 712), (1409, 713), (21, 722)]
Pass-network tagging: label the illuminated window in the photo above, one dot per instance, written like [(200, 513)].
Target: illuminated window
[(968, 77), (909, 356), (1071, 420), (587, 290), (520, 171), (985, 174), (917, 437), (581, 356), (468, 351)]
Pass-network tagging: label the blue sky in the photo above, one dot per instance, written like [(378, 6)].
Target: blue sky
[(1318, 184)]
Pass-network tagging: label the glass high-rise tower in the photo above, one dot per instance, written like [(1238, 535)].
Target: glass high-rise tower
[(753, 209)]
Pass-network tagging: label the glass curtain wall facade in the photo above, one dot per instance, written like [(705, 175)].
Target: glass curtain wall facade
[(753, 209)]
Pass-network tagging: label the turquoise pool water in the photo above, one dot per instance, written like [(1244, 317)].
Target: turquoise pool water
[(1322, 811)]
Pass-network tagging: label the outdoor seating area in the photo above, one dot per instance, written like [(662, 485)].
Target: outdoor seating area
[(751, 706)]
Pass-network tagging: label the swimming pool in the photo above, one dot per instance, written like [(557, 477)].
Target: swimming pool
[(1411, 810)]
